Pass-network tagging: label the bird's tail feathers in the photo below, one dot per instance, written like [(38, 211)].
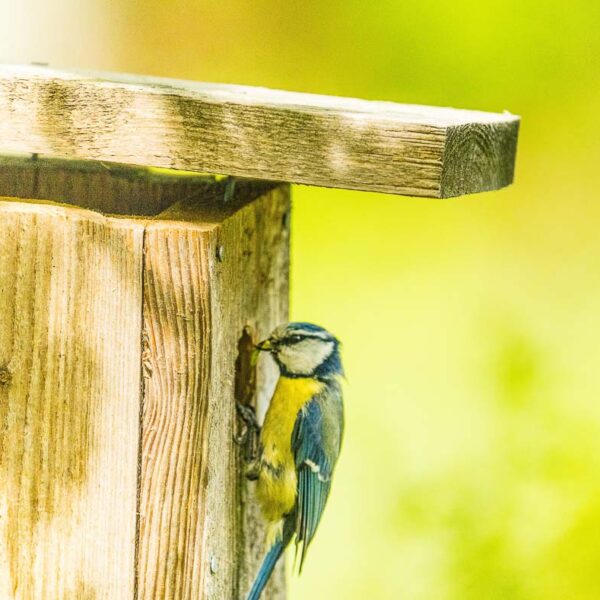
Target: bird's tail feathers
[(270, 560)]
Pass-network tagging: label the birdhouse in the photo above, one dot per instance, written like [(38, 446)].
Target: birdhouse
[(133, 285)]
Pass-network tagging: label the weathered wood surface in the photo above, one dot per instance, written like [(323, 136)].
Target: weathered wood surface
[(119, 346), (210, 272), (70, 321), (104, 187), (256, 133)]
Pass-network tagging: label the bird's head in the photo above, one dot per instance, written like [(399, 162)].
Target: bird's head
[(304, 350)]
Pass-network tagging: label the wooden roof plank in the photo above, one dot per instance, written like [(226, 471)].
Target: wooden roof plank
[(256, 133)]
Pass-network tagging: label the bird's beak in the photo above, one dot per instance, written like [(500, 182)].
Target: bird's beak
[(264, 346)]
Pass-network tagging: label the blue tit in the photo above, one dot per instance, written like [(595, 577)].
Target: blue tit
[(299, 440)]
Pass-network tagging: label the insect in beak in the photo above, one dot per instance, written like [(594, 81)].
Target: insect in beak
[(264, 346)]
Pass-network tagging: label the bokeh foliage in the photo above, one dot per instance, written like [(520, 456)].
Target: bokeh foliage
[(471, 467)]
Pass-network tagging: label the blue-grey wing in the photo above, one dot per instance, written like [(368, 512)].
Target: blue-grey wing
[(316, 441)]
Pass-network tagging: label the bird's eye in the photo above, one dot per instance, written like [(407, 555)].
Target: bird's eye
[(294, 339)]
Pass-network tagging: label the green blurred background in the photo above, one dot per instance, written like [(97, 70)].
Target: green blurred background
[(471, 466)]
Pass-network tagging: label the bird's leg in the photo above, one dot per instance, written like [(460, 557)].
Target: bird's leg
[(248, 437), (253, 469), (248, 415)]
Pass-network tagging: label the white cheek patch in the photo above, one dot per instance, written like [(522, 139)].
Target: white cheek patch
[(304, 357)]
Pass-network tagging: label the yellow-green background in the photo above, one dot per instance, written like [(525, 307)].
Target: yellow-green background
[(471, 466)]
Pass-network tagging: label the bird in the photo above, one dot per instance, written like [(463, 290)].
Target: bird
[(299, 441)]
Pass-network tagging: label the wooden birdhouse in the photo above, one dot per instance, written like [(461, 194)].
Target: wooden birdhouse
[(132, 289)]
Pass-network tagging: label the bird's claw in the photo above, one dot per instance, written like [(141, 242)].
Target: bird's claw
[(247, 415), (253, 470), (249, 430)]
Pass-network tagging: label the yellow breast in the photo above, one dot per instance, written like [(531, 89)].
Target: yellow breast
[(276, 488)]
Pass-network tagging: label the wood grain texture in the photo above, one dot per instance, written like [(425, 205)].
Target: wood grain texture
[(103, 187), (120, 352), (256, 133), (211, 272), (70, 355)]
